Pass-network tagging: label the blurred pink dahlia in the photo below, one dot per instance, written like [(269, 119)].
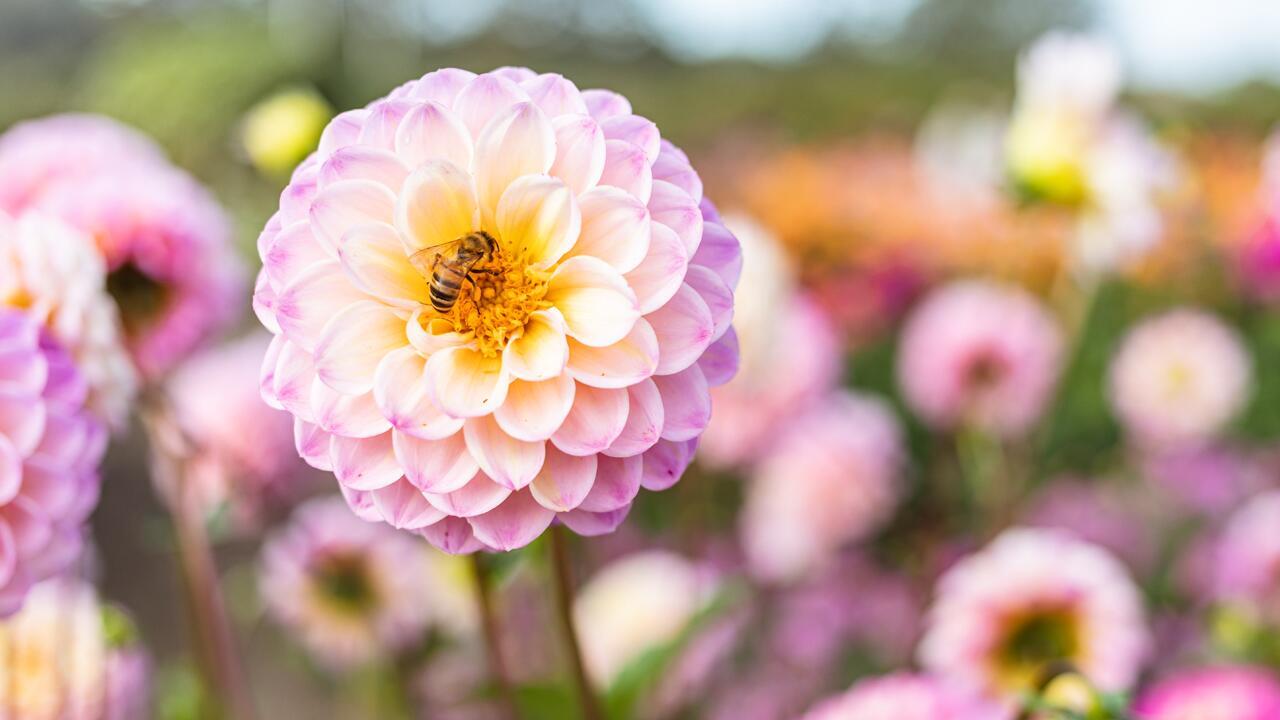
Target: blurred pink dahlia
[(1247, 555), (1031, 599), (50, 271), (832, 478), (980, 355), (351, 591), (50, 446), (244, 449), (1178, 378), (904, 696), (167, 244), (573, 368), (1216, 693)]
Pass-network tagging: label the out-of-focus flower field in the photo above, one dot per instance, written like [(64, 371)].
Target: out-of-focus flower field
[(923, 374)]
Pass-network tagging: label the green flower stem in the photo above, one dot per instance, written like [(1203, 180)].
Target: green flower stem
[(562, 587), (490, 631)]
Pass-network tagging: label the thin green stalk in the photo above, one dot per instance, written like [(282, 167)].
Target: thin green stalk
[(562, 587)]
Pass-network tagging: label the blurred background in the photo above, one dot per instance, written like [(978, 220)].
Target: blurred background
[(826, 127)]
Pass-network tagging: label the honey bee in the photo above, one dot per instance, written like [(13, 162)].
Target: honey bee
[(450, 264)]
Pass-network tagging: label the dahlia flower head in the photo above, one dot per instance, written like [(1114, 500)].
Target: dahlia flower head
[(784, 368), (50, 447), (1178, 378), (1247, 554), (167, 243), (981, 356), (1030, 599), (348, 590), (832, 479), (1212, 693), (904, 696), (50, 272), (574, 367), (244, 456), (635, 604)]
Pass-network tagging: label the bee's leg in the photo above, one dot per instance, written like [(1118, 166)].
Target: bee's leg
[(486, 271)]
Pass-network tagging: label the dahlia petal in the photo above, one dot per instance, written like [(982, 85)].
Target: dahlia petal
[(579, 152), (441, 86), (673, 207), (484, 97), (430, 334), (541, 351), (264, 303), (673, 167), (507, 461), (479, 495), (22, 418), (595, 421), (659, 275), (353, 344), (626, 362), (538, 219), (513, 524), (684, 327), (291, 379), (615, 228), (645, 418), (716, 294), (555, 95), (436, 206), (627, 168), (665, 462), (10, 470), (617, 483), (517, 142), (465, 383), (517, 75), (312, 443), (380, 125), (535, 410), (67, 439), (364, 463), (347, 203), (400, 390), (307, 304), (563, 481), (720, 362), (403, 506), (431, 132), (362, 162), (361, 504), (687, 403), (635, 129), (604, 104), (355, 416), (720, 251), (47, 485), (8, 569), (295, 201), (31, 526), (589, 524), (342, 130), (598, 307), (376, 262), (291, 252), (452, 535), (435, 466)]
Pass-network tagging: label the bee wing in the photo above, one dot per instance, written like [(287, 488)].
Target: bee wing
[(424, 260)]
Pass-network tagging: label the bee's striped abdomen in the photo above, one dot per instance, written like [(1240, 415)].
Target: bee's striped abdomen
[(446, 283)]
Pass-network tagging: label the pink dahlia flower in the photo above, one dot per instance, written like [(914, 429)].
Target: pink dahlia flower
[(785, 366), (171, 263), (1217, 693), (1257, 260), (52, 273), (1247, 555), (244, 453), (574, 367), (1179, 378), (830, 480), (50, 446), (980, 355), (1030, 599), (906, 697), (351, 591)]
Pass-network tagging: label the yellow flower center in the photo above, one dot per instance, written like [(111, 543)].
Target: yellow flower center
[(1033, 641), (501, 292)]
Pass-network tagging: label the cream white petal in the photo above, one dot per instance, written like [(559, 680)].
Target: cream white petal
[(627, 168), (355, 416), (595, 421), (519, 141), (465, 383), (538, 220), (306, 305), (660, 274), (354, 342), (535, 410), (291, 252), (615, 228), (518, 521), (435, 466), (507, 461), (404, 507), (400, 390), (347, 203), (364, 463), (635, 129), (362, 162), (541, 350), (646, 416), (564, 480), (684, 327), (579, 152), (624, 363), (673, 207), (432, 132), (479, 495), (484, 97), (555, 94), (376, 261), (436, 206), (598, 306)]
